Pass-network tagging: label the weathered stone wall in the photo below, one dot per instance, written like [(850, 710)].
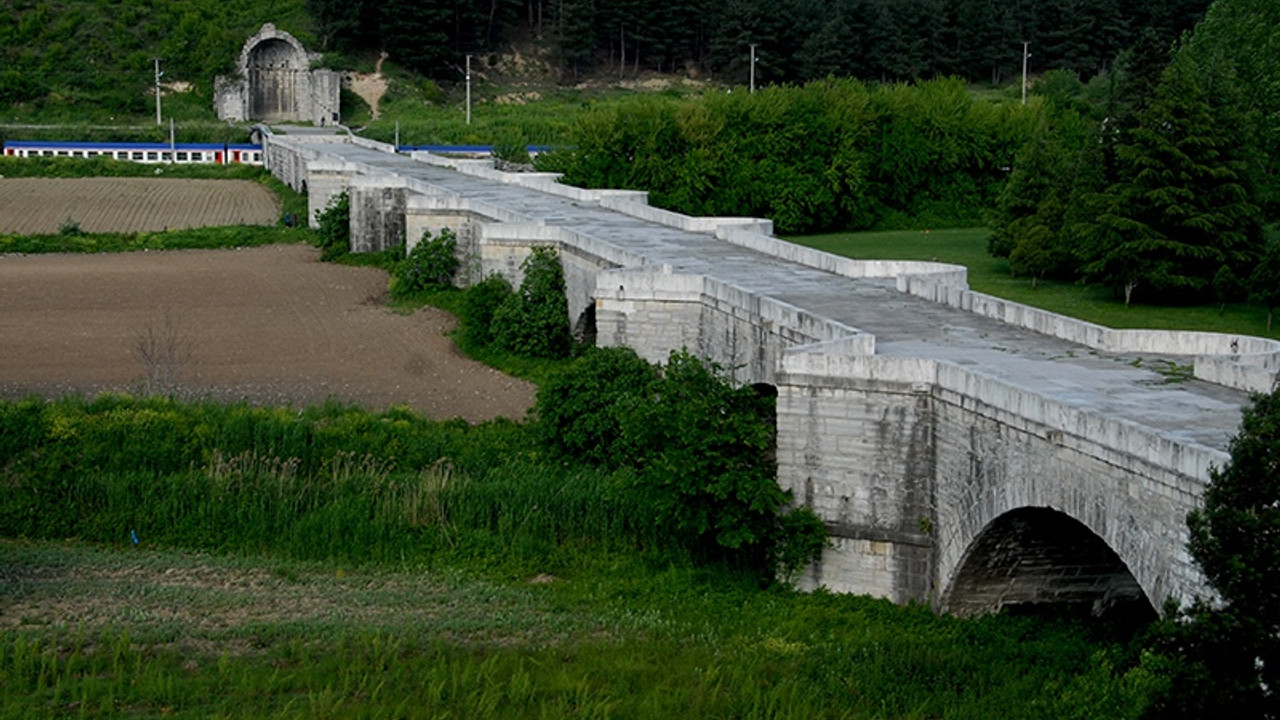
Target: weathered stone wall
[(991, 460), (860, 453), (377, 213), (909, 461), (274, 82), (655, 312), (325, 180)]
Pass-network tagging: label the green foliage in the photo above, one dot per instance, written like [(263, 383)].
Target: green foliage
[(1226, 654), (613, 638), (96, 58), (586, 411), (701, 449), (534, 321), (1184, 206), (191, 239), (479, 305), (334, 234), (1239, 42), (1264, 282), (1030, 211), (431, 264), (831, 154), (324, 483)]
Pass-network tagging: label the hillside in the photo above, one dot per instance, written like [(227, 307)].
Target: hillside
[(85, 55)]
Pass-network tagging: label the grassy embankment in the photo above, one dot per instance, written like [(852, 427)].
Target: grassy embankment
[(990, 275), (336, 563)]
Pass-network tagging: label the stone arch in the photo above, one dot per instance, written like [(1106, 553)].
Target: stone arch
[(1034, 556), (275, 66)]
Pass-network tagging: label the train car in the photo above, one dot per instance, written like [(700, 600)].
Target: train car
[(183, 153), (469, 151)]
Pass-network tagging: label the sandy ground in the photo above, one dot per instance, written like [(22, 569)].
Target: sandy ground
[(269, 325)]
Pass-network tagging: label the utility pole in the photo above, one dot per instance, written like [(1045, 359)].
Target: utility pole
[(753, 67), (1025, 55), (468, 89), (158, 76)]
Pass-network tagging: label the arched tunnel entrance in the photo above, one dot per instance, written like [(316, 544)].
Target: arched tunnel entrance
[(1033, 559), (273, 70)]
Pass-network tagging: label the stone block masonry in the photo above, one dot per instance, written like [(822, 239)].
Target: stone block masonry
[(962, 450)]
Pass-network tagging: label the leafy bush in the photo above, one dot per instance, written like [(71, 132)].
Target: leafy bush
[(334, 235), (534, 322), (701, 449), (479, 305), (430, 265), (584, 411)]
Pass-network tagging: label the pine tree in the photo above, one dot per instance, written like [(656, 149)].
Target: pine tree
[(1184, 206), (1227, 654)]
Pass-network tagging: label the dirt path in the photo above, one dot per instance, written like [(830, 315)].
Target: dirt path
[(269, 325)]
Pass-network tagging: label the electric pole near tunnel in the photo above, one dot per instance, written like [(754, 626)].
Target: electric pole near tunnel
[(158, 76)]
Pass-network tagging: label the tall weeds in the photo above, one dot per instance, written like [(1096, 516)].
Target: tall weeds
[(327, 483)]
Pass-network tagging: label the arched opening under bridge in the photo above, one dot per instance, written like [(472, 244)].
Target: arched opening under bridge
[(1037, 559)]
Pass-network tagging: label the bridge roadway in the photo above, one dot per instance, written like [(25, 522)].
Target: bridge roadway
[(1127, 387)]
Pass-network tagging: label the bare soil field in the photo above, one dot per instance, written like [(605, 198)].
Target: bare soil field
[(268, 325), (35, 206)]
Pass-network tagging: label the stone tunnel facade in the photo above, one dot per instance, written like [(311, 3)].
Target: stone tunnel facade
[(274, 82), (937, 484)]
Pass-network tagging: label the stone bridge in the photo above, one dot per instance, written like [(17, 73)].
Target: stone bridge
[(963, 450)]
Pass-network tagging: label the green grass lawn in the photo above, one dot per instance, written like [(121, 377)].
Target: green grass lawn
[(990, 275)]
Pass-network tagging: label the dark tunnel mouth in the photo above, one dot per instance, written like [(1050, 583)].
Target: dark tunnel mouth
[(1038, 561)]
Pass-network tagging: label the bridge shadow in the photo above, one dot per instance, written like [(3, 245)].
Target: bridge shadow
[(1043, 562)]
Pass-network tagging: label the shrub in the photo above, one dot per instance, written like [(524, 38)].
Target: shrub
[(431, 265), (334, 235), (479, 304), (582, 411), (534, 322), (701, 448)]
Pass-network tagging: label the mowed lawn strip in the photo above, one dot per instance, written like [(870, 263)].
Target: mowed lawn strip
[(35, 206), (990, 275)]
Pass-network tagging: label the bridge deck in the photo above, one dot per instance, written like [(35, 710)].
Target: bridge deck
[(1118, 386)]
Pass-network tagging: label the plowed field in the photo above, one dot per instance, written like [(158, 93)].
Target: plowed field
[(35, 206), (269, 325)]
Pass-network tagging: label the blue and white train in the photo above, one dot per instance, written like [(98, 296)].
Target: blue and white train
[(183, 153)]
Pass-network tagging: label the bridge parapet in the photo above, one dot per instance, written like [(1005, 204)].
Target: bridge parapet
[(1243, 362), (655, 312)]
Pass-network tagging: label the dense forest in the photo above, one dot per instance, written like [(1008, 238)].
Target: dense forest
[(1161, 187), (796, 40), (103, 53)]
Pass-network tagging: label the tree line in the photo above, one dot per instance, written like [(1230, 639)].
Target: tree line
[(796, 40), (833, 154), (1159, 183)]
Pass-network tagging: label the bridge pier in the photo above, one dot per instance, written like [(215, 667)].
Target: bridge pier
[(377, 212), (325, 179)]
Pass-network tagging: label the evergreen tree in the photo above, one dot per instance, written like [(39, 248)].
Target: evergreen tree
[(1264, 283), (1184, 207), (1228, 652)]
